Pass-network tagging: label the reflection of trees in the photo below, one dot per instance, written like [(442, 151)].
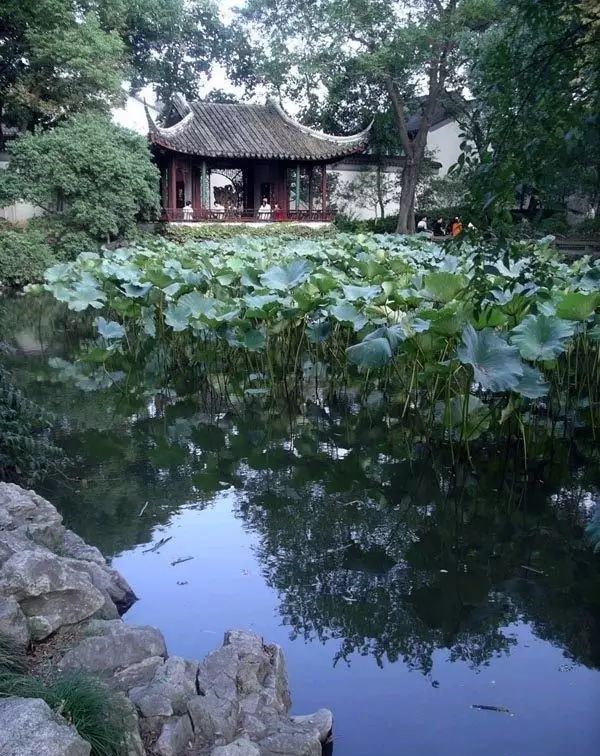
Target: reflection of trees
[(369, 537), (397, 558)]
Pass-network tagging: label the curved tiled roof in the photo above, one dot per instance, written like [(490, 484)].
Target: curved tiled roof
[(243, 130)]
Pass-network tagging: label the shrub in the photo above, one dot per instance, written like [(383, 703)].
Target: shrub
[(88, 175), (218, 232), (24, 255)]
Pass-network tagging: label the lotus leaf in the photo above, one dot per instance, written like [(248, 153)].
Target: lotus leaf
[(441, 286), (496, 365), (109, 329), (285, 278), (532, 384), (373, 353), (576, 306), (541, 337)]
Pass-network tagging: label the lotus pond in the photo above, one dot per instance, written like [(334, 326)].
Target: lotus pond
[(378, 453)]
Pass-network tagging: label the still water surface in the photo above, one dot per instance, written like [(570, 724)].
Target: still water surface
[(404, 587)]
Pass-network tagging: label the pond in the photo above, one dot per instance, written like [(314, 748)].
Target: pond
[(407, 586)]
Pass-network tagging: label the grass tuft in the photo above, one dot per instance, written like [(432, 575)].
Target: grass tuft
[(99, 714)]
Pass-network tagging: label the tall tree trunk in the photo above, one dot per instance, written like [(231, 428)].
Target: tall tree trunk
[(380, 192), (408, 187)]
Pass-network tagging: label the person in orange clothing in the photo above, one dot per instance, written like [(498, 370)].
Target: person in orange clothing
[(457, 227)]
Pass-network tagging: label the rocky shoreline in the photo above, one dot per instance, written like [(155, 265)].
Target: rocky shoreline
[(59, 594)]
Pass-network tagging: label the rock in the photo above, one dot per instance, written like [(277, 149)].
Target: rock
[(214, 719), (176, 736), (73, 546), (290, 739), (136, 675), (118, 593), (239, 747), (50, 593), (112, 646), (169, 691), (13, 624), (29, 727), (133, 740), (321, 721), (29, 515)]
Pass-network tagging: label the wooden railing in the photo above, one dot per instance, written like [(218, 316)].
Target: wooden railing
[(204, 215)]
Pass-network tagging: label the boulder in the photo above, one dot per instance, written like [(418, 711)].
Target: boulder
[(117, 592), (169, 691), (175, 738), (29, 515), (321, 722), (73, 546), (289, 739), (136, 675), (214, 719), (111, 646), (13, 624), (239, 747), (29, 727), (50, 592)]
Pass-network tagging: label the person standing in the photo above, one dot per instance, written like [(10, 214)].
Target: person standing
[(438, 227), (422, 224)]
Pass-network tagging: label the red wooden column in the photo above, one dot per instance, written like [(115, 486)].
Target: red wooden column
[(196, 199), (324, 189), (172, 186)]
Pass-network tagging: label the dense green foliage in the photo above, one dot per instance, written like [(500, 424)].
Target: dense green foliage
[(25, 451), (466, 337), (24, 255), (218, 232), (90, 177), (532, 128)]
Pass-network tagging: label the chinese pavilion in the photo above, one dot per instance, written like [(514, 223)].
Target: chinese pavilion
[(218, 162)]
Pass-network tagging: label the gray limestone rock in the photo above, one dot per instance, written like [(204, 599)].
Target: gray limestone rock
[(175, 737), (289, 739), (50, 592), (13, 624), (214, 718), (321, 721), (113, 645), (73, 546), (29, 727), (169, 691), (239, 747), (29, 515), (136, 675), (118, 593)]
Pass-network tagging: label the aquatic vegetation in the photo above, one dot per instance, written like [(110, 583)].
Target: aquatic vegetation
[(515, 329)]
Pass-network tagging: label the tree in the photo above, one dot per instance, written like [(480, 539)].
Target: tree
[(535, 77), (374, 189), (87, 174), (57, 59), (392, 51)]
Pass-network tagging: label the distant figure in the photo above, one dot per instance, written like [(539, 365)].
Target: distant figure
[(218, 208), (422, 224), (438, 227), (264, 211), (277, 212), (188, 211), (457, 227)]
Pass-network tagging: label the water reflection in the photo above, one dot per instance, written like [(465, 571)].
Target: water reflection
[(390, 548)]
